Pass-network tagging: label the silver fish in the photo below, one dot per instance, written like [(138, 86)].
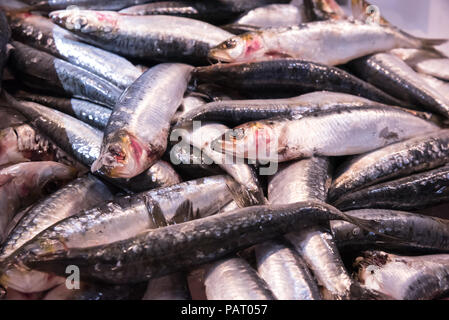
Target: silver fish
[(171, 287), (235, 279), (273, 15), (337, 41), (137, 131)]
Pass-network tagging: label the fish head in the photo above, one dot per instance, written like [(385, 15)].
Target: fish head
[(87, 22), (255, 140), (239, 48), (125, 156)]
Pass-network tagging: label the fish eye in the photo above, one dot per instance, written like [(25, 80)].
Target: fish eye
[(230, 44)]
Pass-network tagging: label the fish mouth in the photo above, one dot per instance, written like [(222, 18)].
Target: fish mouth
[(223, 145), (219, 55), (123, 159)]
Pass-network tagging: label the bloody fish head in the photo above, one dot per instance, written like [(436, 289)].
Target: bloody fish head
[(244, 47), (123, 157), (254, 141), (86, 21)]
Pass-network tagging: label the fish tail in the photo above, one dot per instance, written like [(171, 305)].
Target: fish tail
[(430, 43), (242, 196)]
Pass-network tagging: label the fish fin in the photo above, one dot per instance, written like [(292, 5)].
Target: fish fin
[(184, 212), (242, 196), (155, 212), (430, 43)]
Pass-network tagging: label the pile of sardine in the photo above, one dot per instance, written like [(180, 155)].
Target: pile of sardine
[(220, 149)]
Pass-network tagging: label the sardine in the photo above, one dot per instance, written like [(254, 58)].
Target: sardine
[(73, 136), (177, 247), (285, 272), (395, 77), (410, 193), (337, 41), (235, 279), (137, 131), (41, 70), (411, 232), (397, 160), (186, 40), (22, 143), (286, 78), (171, 287), (88, 112), (439, 85), (405, 278), (42, 34), (128, 216), (22, 183), (425, 61), (51, 5), (335, 133), (5, 34), (201, 138), (80, 194)]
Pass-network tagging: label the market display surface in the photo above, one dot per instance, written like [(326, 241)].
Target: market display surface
[(221, 150)]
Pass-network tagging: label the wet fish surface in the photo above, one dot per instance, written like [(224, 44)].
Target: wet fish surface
[(281, 139), (397, 160), (153, 251), (405, 278), (337, 41), (138, 128), (235, 279), (286, 78), (5, 34), (43, 71), (394, 76), (409, 193), (187, 40), (42, 34)]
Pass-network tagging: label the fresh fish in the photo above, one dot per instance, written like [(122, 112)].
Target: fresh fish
[(439, 85), (73, 136), (171, 287), (40, 70), (10, 118), (174, 248), (395, 77), (96, 292), (405, 278), (397, 160), (88, 112), (335, 133), (21, 184), (80, 194), (186, 39), (137, 131), (363, 10), (215, 12), (189, 103), (192, 162), (321, 10), (42, 34), (128, 216), (240, 111), (22, 143), (337, 41), (159, 175), (201, 138), (303, 180), (286, 78), (273, 15), (425, 61), (319, 250), (5, 34), (412, 232), (285, 272), (417, 191), (235, 279)]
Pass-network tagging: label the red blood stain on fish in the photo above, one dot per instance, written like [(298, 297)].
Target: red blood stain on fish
[(252, 46)]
